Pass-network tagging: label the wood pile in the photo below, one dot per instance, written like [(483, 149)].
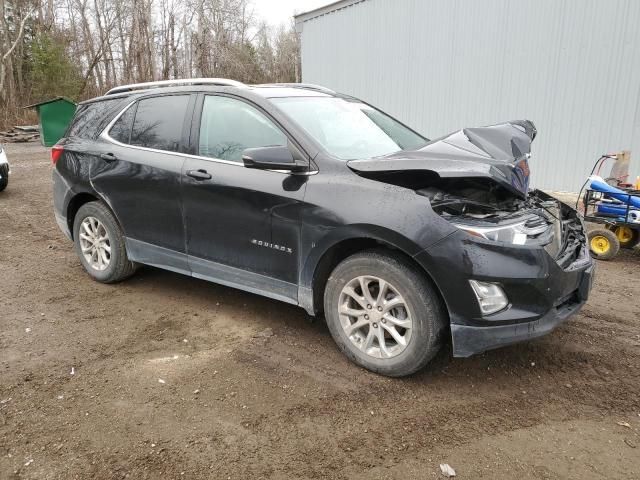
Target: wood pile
[(20, 134)]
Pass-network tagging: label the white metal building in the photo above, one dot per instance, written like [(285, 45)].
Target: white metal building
[(571, 66)]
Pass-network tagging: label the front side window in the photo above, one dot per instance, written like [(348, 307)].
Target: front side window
[(230, 126), (349, 129), (158, 122)]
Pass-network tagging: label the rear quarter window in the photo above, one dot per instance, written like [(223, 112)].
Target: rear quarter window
[(91, 118), (121, 129)]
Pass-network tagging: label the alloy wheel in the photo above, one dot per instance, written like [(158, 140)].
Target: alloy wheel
[(375, 317), (95, 243)]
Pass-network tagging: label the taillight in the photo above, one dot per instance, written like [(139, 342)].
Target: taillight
[(56, 153)]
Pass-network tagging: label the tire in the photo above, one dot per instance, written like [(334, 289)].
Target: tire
[(4, 174), (628, 237), (603, 243), (118, 267), (422, 305)]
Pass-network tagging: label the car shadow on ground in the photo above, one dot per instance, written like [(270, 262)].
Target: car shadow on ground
[(549, 354)]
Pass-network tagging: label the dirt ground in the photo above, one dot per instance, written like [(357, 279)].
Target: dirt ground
[(165, 376)]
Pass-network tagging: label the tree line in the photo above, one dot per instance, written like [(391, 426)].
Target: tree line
[(81, 48)]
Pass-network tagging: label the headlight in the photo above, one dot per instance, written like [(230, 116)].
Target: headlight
[(515, 233)]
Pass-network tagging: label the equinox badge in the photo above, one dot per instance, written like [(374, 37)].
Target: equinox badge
[(273, 246)]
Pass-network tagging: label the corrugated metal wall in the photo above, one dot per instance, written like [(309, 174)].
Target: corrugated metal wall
[(571, 66)]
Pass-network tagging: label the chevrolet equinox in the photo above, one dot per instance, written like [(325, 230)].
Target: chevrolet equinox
[(321, 200)]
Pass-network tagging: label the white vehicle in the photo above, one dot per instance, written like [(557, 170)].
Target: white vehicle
[(4, 169)]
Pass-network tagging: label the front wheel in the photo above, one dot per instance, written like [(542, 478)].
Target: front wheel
[(383, 313), (99, 243)]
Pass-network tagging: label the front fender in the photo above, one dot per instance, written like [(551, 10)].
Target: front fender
[(342, 206), (338, 235)]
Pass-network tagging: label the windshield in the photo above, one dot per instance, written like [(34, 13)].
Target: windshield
[(349, 129)]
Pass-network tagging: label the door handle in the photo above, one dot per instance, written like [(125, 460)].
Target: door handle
[(108, 157), (199, 174)]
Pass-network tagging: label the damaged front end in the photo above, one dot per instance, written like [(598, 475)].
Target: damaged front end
[(478, 180), (517, 263), (538, 221)]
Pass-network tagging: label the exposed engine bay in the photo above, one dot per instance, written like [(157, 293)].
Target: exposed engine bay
[(485, 209), (537, 220), (478, 180)]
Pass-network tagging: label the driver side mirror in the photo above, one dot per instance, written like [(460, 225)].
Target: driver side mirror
[(272, 158)]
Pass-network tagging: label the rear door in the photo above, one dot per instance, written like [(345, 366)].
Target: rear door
[(243, 225), (139, 175)]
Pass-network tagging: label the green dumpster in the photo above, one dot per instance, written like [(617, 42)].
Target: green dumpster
[(54, 117)]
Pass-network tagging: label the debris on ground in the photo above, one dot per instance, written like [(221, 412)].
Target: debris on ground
[(27, 128), (20, 134), (267, 332), (624, 424), (447, 470), (161, 381)]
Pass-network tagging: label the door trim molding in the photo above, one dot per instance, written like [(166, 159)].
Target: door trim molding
[(155, 256), (244, 280), (167, 259)]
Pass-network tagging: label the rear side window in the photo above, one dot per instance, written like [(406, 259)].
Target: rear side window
[(230, 126), (91, 118), (158, 122)]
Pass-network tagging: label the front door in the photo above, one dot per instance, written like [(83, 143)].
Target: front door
[(242, 224)]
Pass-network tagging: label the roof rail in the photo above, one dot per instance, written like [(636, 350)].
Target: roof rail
[(308, 86), (222, 82)]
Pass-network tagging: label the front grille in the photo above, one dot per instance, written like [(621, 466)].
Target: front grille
[(570, 243), (573, 244)]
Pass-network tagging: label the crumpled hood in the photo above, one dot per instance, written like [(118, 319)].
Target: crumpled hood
[(498, 152)]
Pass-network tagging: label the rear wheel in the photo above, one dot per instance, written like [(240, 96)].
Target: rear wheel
[(603, 243), (99, 243), (383, 313), (627, 236)]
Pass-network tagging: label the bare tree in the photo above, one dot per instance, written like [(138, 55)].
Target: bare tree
[(110, 42), (7, 46)]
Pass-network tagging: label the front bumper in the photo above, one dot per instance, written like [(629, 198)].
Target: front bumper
[(5, 170), (469, 340), (541, 293)]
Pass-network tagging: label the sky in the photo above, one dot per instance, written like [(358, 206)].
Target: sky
[(276, 12)]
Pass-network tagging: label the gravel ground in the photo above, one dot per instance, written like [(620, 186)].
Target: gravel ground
[(165, 376)]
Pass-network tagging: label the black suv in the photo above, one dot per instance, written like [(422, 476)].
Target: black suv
[(321, 200)]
